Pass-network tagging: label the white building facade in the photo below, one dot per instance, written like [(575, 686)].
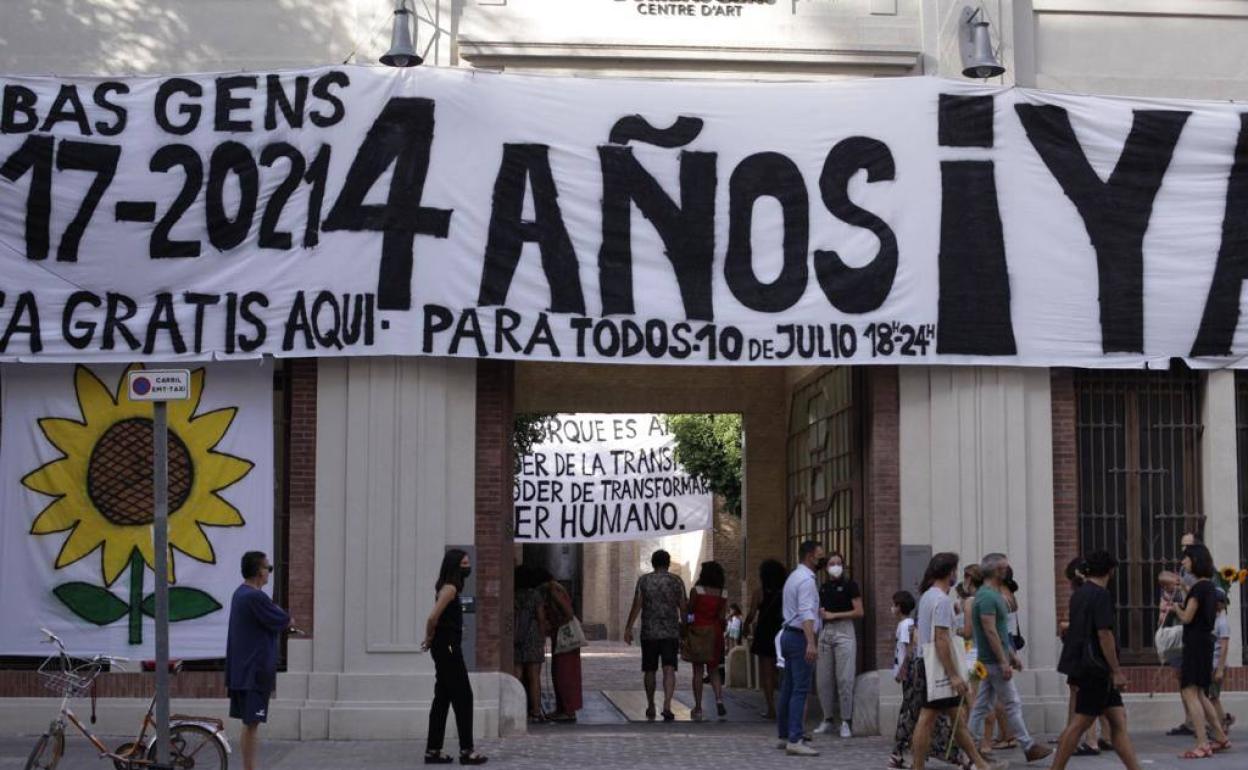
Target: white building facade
[(396, 459)]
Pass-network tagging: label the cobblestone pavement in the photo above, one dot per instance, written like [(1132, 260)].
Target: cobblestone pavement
[(623, 747), (605, 741)]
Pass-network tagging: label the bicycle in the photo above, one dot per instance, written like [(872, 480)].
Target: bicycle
[(196, 742)]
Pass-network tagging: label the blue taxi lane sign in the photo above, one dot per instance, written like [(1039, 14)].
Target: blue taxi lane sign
[(159, 385)]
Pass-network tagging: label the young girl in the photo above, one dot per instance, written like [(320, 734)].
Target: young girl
[(735, 623), (905, 661)]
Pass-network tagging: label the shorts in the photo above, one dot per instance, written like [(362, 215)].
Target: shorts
[(250, 706), (1095, 696), (652, 650)]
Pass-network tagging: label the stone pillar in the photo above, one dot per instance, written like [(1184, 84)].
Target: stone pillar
[(1219, 461)]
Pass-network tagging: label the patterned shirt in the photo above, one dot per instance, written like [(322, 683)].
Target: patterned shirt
[(661, 593)]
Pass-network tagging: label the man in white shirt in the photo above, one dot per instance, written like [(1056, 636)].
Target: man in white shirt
[(798, 644)]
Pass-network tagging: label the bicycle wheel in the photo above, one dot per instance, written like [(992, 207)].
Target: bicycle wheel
[(194, 747), (47, 752)]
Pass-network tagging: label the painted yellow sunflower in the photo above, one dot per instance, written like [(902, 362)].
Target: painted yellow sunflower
[(979, 671), (102, 484)]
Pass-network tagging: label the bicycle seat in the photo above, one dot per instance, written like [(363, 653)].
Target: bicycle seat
[(175, 665)]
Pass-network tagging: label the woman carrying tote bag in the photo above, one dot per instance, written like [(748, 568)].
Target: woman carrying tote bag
[(566, 640)]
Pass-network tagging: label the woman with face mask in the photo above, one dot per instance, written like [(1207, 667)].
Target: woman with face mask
[(444, 631), (840, 601)]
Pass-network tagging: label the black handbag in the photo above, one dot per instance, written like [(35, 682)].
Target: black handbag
[(1016, 638)]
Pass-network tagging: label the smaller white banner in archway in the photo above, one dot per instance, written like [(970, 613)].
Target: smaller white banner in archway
[(603, 477)]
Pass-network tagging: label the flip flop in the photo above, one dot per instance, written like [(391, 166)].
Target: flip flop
[(1085, 750), (1005, 745), (1201, 752)]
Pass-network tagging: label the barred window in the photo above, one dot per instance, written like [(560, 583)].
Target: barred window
[(1138, 450), (824, 468)]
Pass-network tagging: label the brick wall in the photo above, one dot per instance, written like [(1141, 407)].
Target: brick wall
[(728, 551), (882, 510), (1065, 483), (301, 491), (494, 518)]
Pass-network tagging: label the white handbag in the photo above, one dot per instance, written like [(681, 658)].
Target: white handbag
[(939, 686), (570, 637)]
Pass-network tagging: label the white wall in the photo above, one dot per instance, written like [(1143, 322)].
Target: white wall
[(160, 36), (1176, 48)]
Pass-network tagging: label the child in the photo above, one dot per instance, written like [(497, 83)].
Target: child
[(904, 659), (1222, 637), (735, 623)]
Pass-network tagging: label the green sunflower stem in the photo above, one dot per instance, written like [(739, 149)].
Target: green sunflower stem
[(136, 597)]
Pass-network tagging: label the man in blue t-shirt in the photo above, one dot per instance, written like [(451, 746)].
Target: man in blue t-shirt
[(256, 624)]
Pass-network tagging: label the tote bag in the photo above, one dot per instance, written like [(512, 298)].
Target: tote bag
[(570, 637), (939, 685)]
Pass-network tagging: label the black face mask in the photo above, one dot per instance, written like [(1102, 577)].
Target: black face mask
[(464, 572)]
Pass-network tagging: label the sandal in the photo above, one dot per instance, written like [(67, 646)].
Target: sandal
[(1085, 750), (438, 758), (1217, 747), (1005, 745), (1104, 745), (896, 762), (472, 758), (1200, 752)]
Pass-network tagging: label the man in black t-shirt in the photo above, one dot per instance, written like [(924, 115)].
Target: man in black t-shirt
[(1090, 660)]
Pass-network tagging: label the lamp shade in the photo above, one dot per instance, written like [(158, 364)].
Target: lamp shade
[(402, 51)]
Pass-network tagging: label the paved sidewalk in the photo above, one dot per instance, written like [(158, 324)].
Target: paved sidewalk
[(624, 747)]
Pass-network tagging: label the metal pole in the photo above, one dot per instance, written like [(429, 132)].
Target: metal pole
[(160, 538)]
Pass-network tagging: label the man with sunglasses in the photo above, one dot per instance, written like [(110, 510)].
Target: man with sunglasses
[(256, 624)]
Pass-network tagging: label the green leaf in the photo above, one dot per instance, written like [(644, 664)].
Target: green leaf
[(184, 604), (92, 603)]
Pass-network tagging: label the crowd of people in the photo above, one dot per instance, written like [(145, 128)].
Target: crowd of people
[(956, 653)]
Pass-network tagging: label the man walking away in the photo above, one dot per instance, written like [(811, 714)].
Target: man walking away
[(256, 623), (799, 649), (660, 599), (934, 624), (1090, 660), (989, 621)]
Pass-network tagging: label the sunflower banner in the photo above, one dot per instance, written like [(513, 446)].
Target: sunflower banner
[(76, 553)]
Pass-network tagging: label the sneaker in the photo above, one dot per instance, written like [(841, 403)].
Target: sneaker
[(800, 750), (1037, 752), (846, 730), (824, 727)]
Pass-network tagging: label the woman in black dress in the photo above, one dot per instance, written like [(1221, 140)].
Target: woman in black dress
[(1197, 615), (444, 633), (768, 610)]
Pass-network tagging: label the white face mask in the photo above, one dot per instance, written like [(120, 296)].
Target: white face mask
[(835, 570)]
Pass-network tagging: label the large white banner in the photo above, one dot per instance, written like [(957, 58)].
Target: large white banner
[(602, 477), (367, 211), (76, 494)]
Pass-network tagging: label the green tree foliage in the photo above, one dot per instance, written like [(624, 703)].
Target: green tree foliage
[(709, 446), (527, 431)]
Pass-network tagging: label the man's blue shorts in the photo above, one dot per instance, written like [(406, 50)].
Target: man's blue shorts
[(251, 706)]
